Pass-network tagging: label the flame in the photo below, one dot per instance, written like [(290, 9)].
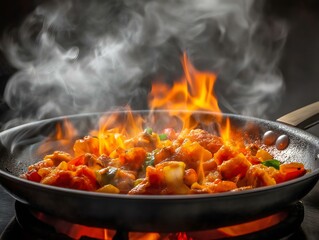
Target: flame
[(77, 231), (240, 229), (226, 131), (63, 137), (182, 236), (254, 226), (111, 130), (193, 92), (133, 123), (144, 236)]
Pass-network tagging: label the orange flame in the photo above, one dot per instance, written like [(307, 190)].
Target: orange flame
[(63, 137), (65, 131), (194, 92), (226, 131), (77, 231), (112, 130), (182, 236)]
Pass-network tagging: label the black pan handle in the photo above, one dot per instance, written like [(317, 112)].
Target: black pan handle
[(303, 118)]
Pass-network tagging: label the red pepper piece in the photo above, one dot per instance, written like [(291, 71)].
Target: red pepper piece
[(34, 176), (290, 171)]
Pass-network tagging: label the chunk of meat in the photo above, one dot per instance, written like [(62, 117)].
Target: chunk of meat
[(207, 140), (131, 158), (81, 178), (236, 166), (192, 154), (213, 187), (224, 153), (258, 176)]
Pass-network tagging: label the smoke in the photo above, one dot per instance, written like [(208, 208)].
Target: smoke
[(87, 56)]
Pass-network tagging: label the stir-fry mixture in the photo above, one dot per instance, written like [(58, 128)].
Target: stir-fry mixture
[(190, 162)]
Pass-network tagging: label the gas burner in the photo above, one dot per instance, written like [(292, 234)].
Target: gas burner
[(29, 224)]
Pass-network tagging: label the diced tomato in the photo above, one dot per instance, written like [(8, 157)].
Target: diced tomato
[(153, 176), (34, 176)]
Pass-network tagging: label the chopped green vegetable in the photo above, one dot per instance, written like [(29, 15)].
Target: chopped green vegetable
[(138, 181), (106, 175), (150, 159), (162, 136), (148, 130), (272, 163)]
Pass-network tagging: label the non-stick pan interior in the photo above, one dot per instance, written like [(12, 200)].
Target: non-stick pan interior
[(20, 144)]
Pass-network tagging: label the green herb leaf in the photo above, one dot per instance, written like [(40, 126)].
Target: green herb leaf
[(148, 130), (149, 161), (162, 136), (272, 163)]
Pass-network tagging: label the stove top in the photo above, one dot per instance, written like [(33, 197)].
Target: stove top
[(30, 224), (306, 213)]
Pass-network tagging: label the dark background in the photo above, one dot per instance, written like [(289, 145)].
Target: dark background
[(299, 65)]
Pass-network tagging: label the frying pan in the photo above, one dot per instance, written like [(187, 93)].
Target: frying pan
[(159, 213)]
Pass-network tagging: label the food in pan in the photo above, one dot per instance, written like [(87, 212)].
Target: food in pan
[(192, 161), (129, 159)]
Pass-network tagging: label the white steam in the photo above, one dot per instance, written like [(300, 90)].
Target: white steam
[(87, 56)]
